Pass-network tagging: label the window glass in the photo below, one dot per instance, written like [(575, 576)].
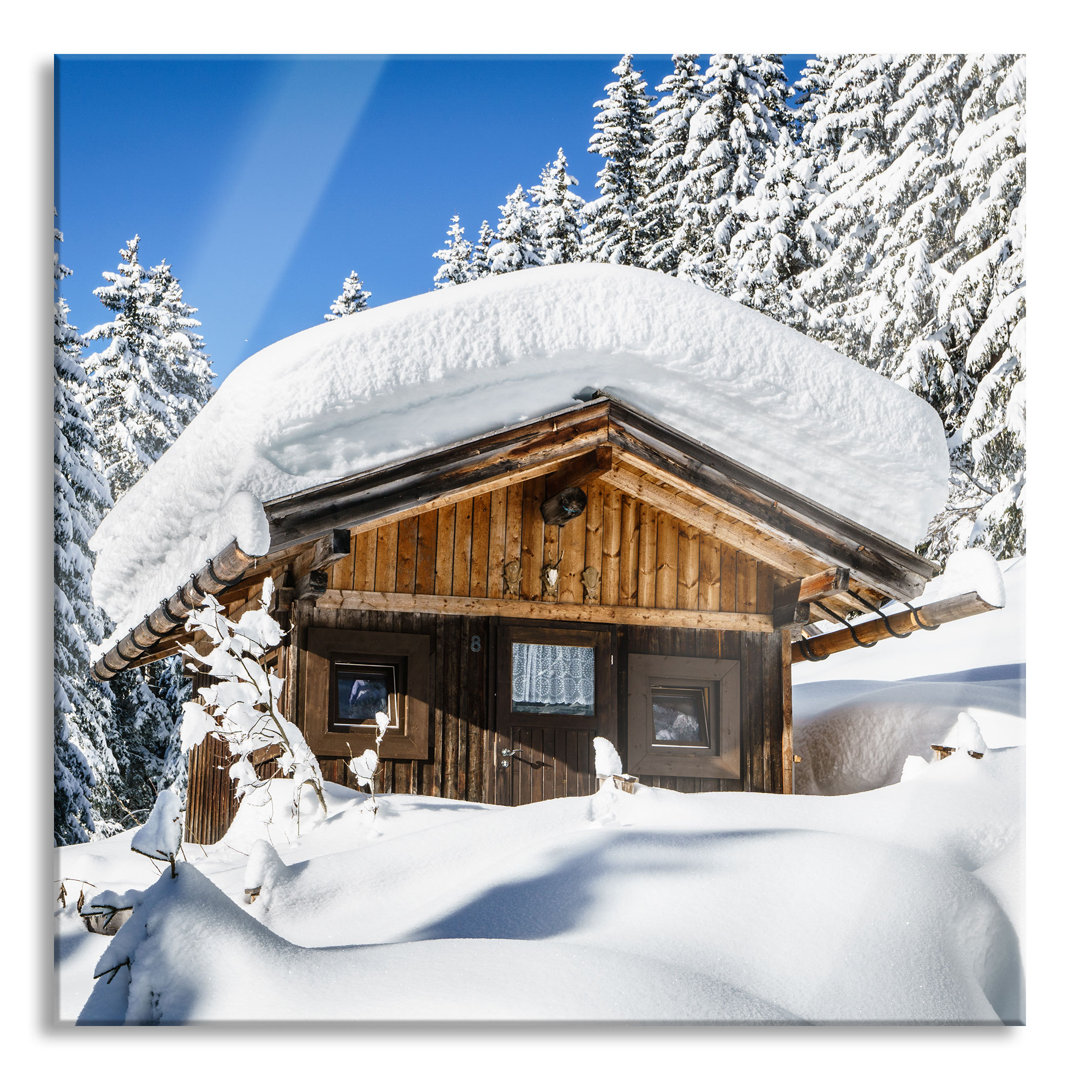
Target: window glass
[(680, 716), (362, 691), (553, 679)]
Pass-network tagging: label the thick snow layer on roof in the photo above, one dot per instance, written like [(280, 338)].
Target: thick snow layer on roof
[(380, 386)]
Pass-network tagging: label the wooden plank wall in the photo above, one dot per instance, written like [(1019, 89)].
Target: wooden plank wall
[(462, 718), (762, 706), (645, 557), (460, 735)]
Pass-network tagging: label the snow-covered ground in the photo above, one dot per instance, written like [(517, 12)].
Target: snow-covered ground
[(901, 901)]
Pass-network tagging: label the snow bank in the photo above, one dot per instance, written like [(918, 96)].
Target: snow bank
[(358, 392), (861, 715), (652, 906)]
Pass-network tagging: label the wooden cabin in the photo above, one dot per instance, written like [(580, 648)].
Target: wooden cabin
[(509, 597)]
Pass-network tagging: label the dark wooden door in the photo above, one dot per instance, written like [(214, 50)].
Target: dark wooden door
[(548, 709)]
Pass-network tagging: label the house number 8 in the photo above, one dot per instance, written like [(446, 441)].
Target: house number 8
[(474, 645)]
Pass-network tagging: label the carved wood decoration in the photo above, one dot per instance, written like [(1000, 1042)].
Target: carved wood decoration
[(512, 578), (590, 579)]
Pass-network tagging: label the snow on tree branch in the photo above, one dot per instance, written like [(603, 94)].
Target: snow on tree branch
[(241, 708)]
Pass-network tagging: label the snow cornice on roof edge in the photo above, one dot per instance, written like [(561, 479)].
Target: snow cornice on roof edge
[(399, 381)]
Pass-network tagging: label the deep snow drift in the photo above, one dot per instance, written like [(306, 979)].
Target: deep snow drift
[(895, 904), (395, 380)]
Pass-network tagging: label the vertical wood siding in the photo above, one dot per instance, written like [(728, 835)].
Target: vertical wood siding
[(645, 557)]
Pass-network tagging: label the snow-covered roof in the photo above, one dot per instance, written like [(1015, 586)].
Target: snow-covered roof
[(381, 386)]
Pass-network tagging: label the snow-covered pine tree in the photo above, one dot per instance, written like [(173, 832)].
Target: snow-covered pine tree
[(82, 709), (623, 138), (185, 368), (455, 258), (848, 140), (557, 218), (353, 298), (127, 398), (727, 149), (911, 200), (680, 95), (147, 383), (769, 251), (480, 263), (980, 366), (516, 247), (917, 236)]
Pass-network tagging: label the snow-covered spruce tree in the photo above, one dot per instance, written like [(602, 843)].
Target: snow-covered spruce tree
[(353, 298), (516, 247), (144, 387), (680, 95), (769, 251), (557, 218), (455, 258), (979, 369), (185, 368), (480, 263), (128, 399), (728, 143), (848, 140), (623, 138), (911, 200), (82, 709), (241, 707)]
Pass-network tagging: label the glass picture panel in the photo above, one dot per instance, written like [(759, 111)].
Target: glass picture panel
[(680, 716), (362, 691), (559, 679)]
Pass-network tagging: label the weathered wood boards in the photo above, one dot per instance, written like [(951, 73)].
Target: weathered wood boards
[(618, 614)]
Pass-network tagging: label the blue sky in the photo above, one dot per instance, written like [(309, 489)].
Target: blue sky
[(265, 180)]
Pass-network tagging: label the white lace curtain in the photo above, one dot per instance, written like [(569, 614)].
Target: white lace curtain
[(553, 674)]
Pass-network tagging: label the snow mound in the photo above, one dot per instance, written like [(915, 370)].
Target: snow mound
[(758, 908), (359, 392)]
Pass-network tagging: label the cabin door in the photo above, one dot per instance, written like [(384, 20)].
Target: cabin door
[(554, 693)]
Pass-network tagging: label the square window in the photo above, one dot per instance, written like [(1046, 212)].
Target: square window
[(683, 716), (349, 676), (680, 715), (362, 691)]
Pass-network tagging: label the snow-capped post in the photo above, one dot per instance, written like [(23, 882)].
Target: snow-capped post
[(160, 837), (241, 707), (365, 765), (609, 766), (963, 735)]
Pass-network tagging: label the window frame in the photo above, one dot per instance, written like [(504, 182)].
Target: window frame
[(325, 649), (722, 757)]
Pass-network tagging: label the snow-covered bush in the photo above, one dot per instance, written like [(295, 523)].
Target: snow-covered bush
[(241, 708), (364, 766)]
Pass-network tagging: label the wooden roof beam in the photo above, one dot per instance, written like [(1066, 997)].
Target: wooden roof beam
[(623, 615), (902, 623), (741, 492), (222, 571)]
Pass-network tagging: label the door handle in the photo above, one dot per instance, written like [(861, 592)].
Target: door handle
[(507, 755)]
